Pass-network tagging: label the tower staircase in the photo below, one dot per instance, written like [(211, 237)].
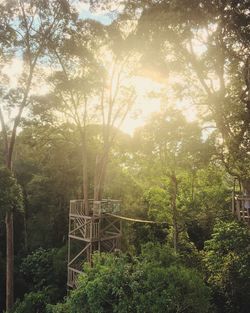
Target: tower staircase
[(92, 232)]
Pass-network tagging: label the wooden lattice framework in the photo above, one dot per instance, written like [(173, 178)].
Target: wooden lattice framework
[(91, 230), (241, 208), (241, 202)]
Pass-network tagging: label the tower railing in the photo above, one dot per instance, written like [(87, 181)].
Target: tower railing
[(241, 207), (77, 207)]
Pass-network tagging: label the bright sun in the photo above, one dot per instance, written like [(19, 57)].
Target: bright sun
[(145, 104)]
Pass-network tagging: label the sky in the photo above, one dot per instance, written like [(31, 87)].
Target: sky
[(105, 17)]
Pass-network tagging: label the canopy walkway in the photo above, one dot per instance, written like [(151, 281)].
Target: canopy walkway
[(134, 220)]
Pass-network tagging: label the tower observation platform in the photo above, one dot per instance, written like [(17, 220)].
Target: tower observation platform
[(241, 207), (91, 229)]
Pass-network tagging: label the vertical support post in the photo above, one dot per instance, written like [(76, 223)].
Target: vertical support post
[(238, 209), (99, 235), (91, 230), (69, 248), (243, 210), (120, 227), (233, 202), (248, 212)]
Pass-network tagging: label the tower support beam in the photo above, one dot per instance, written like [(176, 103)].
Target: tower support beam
[(90, 231)]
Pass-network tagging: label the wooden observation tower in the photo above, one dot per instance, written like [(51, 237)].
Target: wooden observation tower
[(241, 208), (241, 204), (95, 229)]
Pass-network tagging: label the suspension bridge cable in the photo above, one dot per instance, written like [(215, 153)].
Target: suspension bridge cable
[(134, 219)]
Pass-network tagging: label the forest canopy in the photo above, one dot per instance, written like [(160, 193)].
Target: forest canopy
[(142, 101)]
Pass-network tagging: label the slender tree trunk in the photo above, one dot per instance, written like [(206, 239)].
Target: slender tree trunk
[(25, 231), (9, 237), (97, 178), (193, 185), (103, 173), (25, 218), (100, 175), (174, 212), (9, 260), (84, 157), (85, 178), (175, 226)]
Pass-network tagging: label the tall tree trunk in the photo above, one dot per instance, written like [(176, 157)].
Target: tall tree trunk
[(98, 164), (25, 231), (25, 217), (174, 212), (9, 239), (9, 260), (85, 179), (175, 227), (100, 175)]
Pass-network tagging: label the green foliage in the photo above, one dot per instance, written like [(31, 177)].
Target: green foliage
[(138, 234), (44, 272), (11, 198), (46, 268), (48, 167), (38, 268), (158, 202), (174, 289), (155, 282), (177, 172), (227, 259), (33, 302), (211, 200), (58, 308), (171, 170)]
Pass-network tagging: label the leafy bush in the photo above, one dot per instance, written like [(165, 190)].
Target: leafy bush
[(155, 282), (45, 274), (45, 268), (227, 259), (33, 302)]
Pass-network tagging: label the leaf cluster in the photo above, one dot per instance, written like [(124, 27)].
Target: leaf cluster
[(11, 198)]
